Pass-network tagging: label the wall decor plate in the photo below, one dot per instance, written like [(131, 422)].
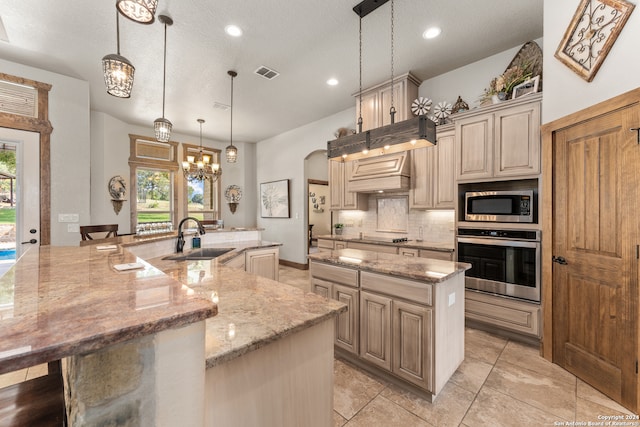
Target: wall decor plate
[(233, 193), (591, 34), (117, 188)]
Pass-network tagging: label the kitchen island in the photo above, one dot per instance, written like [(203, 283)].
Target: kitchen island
[(405, 317), (135, 344)]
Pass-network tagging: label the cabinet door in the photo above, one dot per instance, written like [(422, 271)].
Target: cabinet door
[(321, 287), (370, 109), (444, 255), (336, 184), (375, 329), (263, 262), (444, 182), (474, 140), (422, 164), (347, 323), (237, 262), (398, 102), (349, 199), (412, 346), (408, 252), (340, 245), (517, 141)]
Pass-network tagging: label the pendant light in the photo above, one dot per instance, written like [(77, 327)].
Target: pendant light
[(142, 11), (118, 71), (416, 132), (200, 168), (231, 151), (163, 126)]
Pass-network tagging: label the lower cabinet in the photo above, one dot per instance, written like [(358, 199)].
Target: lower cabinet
[(512, 315), (263, 262), (444, 255), (372, 247), (408, 252), (375, 329)]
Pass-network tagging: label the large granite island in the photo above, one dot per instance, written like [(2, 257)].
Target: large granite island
[(135, 344), (405, 318)]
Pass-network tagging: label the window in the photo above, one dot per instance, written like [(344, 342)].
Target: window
[(202, 197), (153, 167)]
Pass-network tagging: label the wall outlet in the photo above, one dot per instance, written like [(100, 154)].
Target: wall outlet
[(452, 299), (73, 228), (68, 217)]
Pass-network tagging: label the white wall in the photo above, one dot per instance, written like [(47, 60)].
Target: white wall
[(70, 146), (282, 157), (564, 91), (110, 156)]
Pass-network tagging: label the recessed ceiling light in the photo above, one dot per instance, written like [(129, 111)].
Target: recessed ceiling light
[(431, 33), (332, 82), (233, 30)]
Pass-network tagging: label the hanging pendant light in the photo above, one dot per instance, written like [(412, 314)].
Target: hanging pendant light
[(118, 71), (200, 168), (231, 151), (142, 11), (163, 126)]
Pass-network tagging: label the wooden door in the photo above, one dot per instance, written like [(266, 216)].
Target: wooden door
[(375, 329), (347, 324), (595, 229)]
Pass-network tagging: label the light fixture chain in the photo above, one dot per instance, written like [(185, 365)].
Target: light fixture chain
[(392, 110), (164, 72), (231, 128), (360, 65)]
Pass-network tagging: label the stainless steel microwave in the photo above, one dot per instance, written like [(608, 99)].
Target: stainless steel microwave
[(499, 206)]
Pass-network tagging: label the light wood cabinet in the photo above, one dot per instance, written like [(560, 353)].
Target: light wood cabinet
[(443, 255), (412, 343), (263, 262), (321, 287), (433, 174), (501, 142), (372, 247), (518, 316), (408, 252), (375, 329), (325, 244), (376, 101), (341, 197), (340, 245), (237, 262)]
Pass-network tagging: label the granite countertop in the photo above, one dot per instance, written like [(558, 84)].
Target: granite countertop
[(60, 301), (423, 269), (411, 244), (252, 311)]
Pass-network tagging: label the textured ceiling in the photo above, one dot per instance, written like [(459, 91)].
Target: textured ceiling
[(306, 42)]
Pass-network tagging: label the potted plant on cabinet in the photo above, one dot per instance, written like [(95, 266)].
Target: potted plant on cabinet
[(338, 227)]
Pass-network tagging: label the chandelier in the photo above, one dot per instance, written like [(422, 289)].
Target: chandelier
[(231, 151), (142, 11), (161, 125), (118, 71), (200, 168)]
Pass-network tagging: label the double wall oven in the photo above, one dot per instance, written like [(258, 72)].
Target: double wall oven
[(505, 258)]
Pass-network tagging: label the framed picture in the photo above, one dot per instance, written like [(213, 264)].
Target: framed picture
[(274, 199), (525, 88)]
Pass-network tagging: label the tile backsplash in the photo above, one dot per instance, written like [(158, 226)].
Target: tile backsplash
[(438, 226)]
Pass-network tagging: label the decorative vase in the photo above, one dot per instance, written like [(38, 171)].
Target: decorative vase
[(502, 96), (338, 231)]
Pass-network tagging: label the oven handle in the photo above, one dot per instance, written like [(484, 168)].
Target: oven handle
[(499, 242)]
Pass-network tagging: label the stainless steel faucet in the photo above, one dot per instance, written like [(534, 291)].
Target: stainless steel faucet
[(180, 242)]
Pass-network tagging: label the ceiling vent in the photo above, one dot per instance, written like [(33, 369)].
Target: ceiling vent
[(267, 72), (18, 99), (220, 106)]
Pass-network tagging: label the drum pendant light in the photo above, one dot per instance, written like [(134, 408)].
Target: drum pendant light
[(142, 11), (118, 71), (231, 151), (163, 126)]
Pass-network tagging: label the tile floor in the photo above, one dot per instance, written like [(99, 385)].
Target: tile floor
[(500, 383)]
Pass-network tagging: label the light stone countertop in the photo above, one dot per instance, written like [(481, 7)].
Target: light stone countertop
[(60, 301), (260, 310), (411, 244), (427, 270)]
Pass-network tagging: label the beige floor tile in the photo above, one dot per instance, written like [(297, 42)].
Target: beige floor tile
[(586, 392), (471, 374), (528, 357), (294, 277), (482, 345), (448, 409), (383, 412), (37, 371), (352, 389), (557, 397), (338, 420), (587, 411), (12, 378), (495, 409)]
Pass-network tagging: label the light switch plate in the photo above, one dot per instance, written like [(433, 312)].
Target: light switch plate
[(68, 217), (452, 299), (73, 228)]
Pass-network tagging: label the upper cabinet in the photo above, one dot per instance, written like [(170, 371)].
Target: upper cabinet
[(501, 141), (339, 191), (432, 173), (376, 101)]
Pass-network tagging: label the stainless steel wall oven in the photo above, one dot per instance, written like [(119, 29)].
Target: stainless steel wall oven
[(504, 262)]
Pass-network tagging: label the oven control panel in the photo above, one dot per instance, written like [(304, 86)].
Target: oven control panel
[(502, 234)]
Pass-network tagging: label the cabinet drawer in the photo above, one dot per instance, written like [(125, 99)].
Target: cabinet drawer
[(332, 273), (325, 244), (403, 288), (444, 255), (373, 247), (408, 252), (516, 316)]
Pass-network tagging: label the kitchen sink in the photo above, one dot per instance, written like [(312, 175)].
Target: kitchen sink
[(204, 253)]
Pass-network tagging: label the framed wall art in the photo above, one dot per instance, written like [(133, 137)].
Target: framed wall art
[(591, 34), (527, 87), (274, 199)]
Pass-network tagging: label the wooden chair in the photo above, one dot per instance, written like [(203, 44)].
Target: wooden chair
[(110, 229)]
